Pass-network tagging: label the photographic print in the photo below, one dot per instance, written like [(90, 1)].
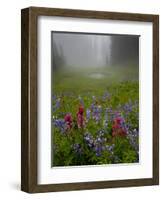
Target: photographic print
[(95, 99), (89, 99)]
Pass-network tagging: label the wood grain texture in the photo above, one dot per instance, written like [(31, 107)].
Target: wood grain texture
[(24, 100), (29, 101), (29, 86), (156, 100)]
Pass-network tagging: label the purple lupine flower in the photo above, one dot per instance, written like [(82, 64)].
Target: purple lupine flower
[(96, 113), (99, 142), (93, 104), (57, 105), (98, 150), (89, 139), (110, 148), (60, 124), (92, 107), (54, 97), (133, 137), (88, 114), (128, 107)]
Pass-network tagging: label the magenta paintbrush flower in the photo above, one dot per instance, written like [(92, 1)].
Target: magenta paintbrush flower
[(118, 127), (68, 120), (80, 117)]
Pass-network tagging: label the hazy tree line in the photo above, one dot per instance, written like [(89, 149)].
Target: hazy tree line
[(58, 57), (123, 49)]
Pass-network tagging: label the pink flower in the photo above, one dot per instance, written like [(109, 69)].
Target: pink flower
[(68, 120), (117, 128), (80, 117)]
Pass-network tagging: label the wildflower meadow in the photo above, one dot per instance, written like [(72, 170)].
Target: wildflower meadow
[(100, 126)]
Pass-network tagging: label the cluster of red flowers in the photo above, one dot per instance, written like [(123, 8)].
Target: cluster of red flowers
[(117, 127), (68, 120), (80, 119)]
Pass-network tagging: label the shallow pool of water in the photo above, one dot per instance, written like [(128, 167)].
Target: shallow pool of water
[(97, 75)]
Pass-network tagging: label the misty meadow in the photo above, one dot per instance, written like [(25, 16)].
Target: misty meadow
[(95, 99)]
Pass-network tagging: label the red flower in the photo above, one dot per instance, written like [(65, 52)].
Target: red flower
[(81, 110), (80, 117), (117, 129), (118, 120), (68, 120)]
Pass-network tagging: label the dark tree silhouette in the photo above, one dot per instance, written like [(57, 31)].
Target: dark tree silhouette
[(125, 49), (58, 58)]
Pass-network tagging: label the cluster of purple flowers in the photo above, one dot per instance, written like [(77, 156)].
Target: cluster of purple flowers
[(88, 115), (96, 144), (127, 108), (99, 144), (56, 106), (133, 137), (96, 113), (60, 124), (98, 149), (89, 139)]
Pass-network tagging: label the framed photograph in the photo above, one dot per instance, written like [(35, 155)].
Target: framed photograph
[(90, 99)]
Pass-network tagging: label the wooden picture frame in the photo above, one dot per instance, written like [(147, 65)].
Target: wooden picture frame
[(29, 112)]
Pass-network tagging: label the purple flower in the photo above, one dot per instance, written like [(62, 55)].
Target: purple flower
[(57, 105), (98, 150), (110, 148), (89, 139), (133, 136), (88, 114), (127, 108), (60, 124), (96, 113)]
